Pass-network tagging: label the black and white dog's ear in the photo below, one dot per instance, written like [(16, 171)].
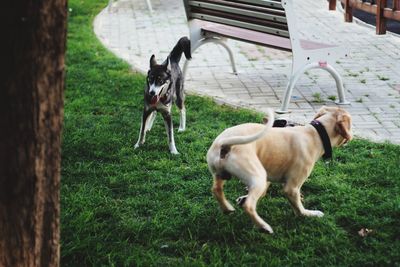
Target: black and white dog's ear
[(167, 65), (153, 61)]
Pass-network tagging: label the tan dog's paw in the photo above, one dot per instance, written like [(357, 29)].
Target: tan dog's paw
[(266, 229), (228, 210), (313, 213)]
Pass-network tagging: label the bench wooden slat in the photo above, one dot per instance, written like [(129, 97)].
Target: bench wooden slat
[(241, 24), (268, 3), (256, 21), (259, 38), (243, 12), (250, 36), (262, 9)]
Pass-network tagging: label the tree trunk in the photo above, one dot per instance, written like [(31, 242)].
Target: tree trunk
[(32, 48)]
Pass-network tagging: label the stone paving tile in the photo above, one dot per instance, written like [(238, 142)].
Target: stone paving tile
[(371, 73)]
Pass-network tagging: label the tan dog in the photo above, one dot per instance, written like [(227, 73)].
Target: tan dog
[(258, 154)]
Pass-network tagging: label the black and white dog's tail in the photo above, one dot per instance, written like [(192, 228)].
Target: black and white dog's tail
[(183, 46)]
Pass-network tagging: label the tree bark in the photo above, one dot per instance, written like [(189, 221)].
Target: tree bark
[(32, 48)]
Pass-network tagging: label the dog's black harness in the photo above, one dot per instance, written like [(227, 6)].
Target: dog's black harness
[(326, 142)]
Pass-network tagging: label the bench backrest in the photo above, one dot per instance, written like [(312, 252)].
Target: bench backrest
[(267, 16)]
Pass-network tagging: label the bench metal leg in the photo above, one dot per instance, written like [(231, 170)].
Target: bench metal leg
[(216, 41), (294, 78), (149, 6), (223, 43), (288, 92), (339, 85)]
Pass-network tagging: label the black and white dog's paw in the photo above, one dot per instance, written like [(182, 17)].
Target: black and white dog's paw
[(174, 151)]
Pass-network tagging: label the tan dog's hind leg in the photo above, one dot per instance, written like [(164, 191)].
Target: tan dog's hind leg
[(252, 173), (293, 194), (266, 188), (218, 191), (256, 190), (240, 200)]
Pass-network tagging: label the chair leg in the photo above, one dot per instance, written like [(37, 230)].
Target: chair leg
[(288, 92), (228, 49), (149, 6), (211, 40), (339, 85), (294, 78)]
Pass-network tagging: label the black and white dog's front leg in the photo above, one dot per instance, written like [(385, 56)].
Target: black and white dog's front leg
[(170, 131), (150, 121), (143, 128)]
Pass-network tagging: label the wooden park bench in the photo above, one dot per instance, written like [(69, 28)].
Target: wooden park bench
[(269, 23)]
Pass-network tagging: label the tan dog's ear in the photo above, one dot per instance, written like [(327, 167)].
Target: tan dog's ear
[(343, 126), (321, 111), (265, 120)]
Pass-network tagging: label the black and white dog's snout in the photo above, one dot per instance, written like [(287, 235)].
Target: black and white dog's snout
[(158, 89)]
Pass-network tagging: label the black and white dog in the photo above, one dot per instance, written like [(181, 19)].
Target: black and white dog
[(165, 86)]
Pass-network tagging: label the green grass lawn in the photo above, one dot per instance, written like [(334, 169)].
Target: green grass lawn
[(145, 207)]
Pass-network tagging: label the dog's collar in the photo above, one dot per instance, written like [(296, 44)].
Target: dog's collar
[(326, 142)]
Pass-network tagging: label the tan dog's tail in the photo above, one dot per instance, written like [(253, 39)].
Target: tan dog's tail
[(241, 140)]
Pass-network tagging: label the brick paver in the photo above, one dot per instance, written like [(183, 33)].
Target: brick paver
[(371, 75)]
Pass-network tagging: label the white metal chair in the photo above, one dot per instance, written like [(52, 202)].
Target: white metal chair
[(264, 22)]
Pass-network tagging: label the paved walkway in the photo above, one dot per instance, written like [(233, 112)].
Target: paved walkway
[(371, 76)]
